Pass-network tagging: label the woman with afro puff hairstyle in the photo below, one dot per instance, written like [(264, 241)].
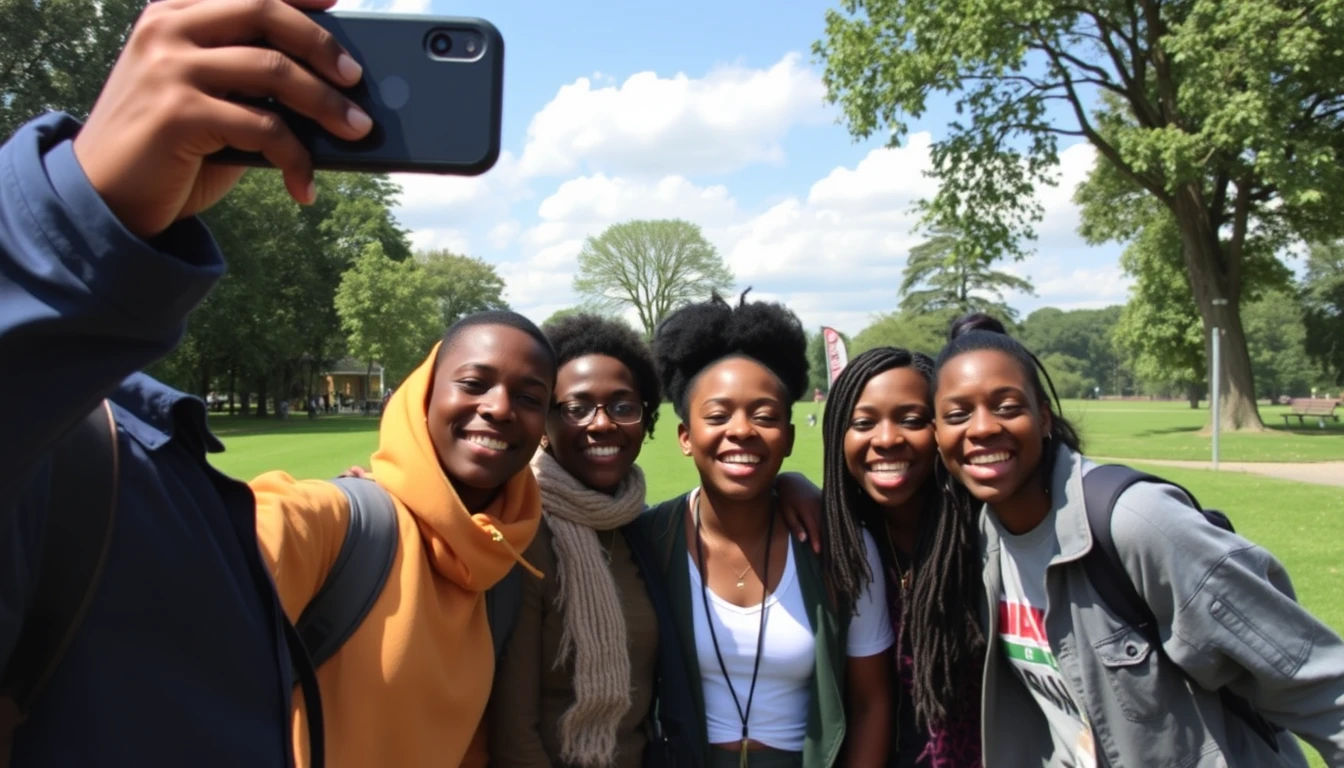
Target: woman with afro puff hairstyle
[(578, 684), (778, 662)]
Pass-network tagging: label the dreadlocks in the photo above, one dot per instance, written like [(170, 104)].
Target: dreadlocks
[(941, 618), (939, 625)]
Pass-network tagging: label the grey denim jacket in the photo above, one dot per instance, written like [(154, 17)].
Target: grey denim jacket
[(1227, 615)]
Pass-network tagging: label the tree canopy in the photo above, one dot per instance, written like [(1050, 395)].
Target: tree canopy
[(1224, 113), (652, 267)]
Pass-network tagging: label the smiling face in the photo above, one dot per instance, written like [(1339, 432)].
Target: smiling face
[(991, 428), (889, 444), (738, 430), (600, 453), (487, 409)]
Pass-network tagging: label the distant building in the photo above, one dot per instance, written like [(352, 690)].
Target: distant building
[(346, 382)]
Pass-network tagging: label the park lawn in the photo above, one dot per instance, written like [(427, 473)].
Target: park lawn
[(1167, 430)]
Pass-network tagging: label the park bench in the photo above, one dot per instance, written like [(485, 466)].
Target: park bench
[(1303, 408)]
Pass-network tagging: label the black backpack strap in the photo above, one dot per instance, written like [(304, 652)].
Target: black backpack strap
[(1102, 487), (502, 605), (81, 508), (357, 577)]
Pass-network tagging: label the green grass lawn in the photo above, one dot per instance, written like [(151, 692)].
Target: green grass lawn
[(1163, 430), (1301, 524)]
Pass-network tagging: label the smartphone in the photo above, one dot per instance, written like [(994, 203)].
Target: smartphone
[(434, 86)]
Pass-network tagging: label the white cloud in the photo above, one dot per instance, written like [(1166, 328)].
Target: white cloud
[(732, 117), (503, 234), (431, 200), (454, 240), (835, 255)]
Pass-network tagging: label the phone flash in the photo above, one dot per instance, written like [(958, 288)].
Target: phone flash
[(471, 45)]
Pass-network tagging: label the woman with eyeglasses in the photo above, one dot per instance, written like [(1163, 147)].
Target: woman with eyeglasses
[(576, 684)]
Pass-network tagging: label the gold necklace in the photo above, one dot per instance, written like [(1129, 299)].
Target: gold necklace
[(904, 580)]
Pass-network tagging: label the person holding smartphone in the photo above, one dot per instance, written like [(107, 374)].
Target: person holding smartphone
[(181, 655)]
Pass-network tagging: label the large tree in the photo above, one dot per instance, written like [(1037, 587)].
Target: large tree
[(1159, 331), (462, 285), (652, 267), (55, 54), (1322, 288), (1225, 113), (388, 310), (948, 272)]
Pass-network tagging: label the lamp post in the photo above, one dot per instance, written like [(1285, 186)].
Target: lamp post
[(1216, 376)]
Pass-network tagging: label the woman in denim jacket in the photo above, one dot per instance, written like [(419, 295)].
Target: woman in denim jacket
[(1067, 683)]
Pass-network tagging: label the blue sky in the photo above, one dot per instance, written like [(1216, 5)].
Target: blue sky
[(712, 112)]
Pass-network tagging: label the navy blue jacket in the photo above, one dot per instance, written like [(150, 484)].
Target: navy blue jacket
[(181, 659)]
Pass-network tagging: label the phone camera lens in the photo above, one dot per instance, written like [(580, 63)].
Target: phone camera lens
[(440, 43)]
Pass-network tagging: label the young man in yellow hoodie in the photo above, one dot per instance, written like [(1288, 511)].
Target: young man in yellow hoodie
[(410, 685)]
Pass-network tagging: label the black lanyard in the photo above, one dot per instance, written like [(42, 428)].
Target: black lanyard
[(743, 715)]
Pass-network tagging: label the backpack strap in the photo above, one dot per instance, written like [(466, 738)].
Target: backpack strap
[(357, 577), (81, 507), (1102, 487), (502, 605)]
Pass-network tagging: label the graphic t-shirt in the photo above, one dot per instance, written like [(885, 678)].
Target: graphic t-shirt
[(1022, 562)]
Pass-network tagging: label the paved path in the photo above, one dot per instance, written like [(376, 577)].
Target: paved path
[(1320, 472)]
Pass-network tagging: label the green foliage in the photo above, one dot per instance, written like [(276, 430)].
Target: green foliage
[(1068, 374), (271, 325), (462, 285), (925, 333), (389, 311), (1277, 338), (1085, 337), (1159, 331), (1322, 289), (947, 273), (1226, 114), (652, 267), (55, 54)]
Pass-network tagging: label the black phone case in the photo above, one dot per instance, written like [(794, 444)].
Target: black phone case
[(450, 120)]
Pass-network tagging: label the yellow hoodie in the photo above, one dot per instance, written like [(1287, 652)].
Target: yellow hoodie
[(409, 687)]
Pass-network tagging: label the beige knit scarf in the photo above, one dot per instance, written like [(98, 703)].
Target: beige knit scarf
[(594, 625)]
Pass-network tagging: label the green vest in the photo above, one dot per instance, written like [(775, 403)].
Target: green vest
[(665, 526)]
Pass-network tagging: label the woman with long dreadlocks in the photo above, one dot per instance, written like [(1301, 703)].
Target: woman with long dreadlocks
[(1225, 660), (879, 458)]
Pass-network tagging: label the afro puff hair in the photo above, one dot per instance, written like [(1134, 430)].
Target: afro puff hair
[(696, 336), (580, 335)]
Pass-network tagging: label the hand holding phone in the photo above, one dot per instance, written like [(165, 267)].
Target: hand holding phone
[(159, 115), (433, 86)]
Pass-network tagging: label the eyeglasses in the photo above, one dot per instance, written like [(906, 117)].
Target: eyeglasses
[(577, 413)]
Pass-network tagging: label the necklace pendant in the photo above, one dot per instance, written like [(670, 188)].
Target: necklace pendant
[(741, 583), (743, 762)]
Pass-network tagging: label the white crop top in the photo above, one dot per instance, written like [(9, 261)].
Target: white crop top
[(778, 715)]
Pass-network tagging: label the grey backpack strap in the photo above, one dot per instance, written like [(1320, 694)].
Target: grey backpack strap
[(502, 604), (357, 577)]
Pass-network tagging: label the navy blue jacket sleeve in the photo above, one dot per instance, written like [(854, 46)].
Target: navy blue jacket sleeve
[(83, 302)]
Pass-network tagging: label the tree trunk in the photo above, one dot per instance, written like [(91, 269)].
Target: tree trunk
[(1213, 275), (1192, 391), (233, 387), (261, 396), (205, 380)]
